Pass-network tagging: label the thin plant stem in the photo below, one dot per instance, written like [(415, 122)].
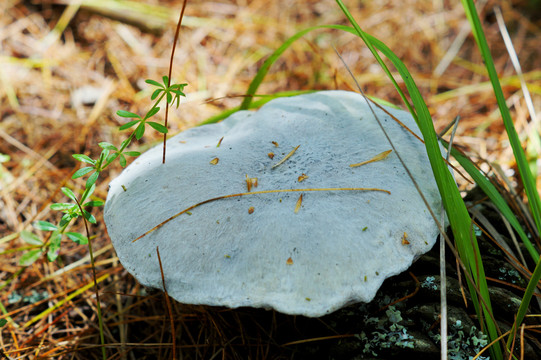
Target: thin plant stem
[(168, 304), (96, 288), (170, 73), (443, 275)]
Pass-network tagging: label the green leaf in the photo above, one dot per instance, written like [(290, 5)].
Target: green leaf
[(62, 206), (84, 158), (94, 203), (44, 226), (169, 97), (30, 238), (88, 216), (156, 93), (158, 127), (129, 124), (132, 153), (67, 218), (153, 82), (108, 146), (88, 191), (122, 160), (69, 193), (165, 81), (77, 238), (30, 257), (104, 154), (127, 114), (125, 143), (110, 159), (92, 179), (3, 322), (140, 131), (179, 86), (54, 246), (178, 92), (152, 112), (82, 172)]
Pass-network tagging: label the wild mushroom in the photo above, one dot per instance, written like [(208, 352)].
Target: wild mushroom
[(305, 252)]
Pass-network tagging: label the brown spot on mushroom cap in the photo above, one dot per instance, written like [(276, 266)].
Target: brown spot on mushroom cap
[(298, 204), (405, 239)]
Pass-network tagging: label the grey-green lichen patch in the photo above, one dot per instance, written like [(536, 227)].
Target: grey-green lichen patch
[(462, 343), (390, 333), (34, 297)]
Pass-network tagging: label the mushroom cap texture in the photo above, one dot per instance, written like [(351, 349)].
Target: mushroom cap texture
[(339, 246)]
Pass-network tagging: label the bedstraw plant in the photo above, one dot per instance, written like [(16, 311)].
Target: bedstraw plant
[(109, 153), (79, 205)]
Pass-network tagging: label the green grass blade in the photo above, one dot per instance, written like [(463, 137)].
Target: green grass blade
[(262, 72), (252, 105), (496, 198), (256, 81), (526, 298), (520, 157), (452, 201)]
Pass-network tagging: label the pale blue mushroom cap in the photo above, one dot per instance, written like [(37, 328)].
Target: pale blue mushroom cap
[(339, 246)]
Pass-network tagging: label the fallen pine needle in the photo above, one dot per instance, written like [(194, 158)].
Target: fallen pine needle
[(378, 157), (285, 158), (298, 205), (254, 193)]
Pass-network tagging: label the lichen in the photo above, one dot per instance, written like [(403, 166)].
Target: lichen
[(33, 298), (462, 344), (389, 332), (430, 283), (509, 275)]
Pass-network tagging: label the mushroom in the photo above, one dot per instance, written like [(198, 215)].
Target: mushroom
[(312, 247)]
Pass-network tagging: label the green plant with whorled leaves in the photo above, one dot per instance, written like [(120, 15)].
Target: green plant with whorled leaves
[(78, 206)]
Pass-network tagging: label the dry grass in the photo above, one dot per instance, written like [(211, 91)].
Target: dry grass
[(221, 47)]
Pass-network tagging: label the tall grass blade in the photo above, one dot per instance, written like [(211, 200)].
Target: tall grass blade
[(454, 205), (520, 157), (252, 105), (262, 72), (496, 198)]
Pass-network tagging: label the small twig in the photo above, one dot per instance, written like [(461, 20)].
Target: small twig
[(168, 304)]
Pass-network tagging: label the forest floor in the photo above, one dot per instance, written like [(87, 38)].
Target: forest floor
[(66, 70)]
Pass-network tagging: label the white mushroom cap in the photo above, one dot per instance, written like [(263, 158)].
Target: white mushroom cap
[(257, 250)]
